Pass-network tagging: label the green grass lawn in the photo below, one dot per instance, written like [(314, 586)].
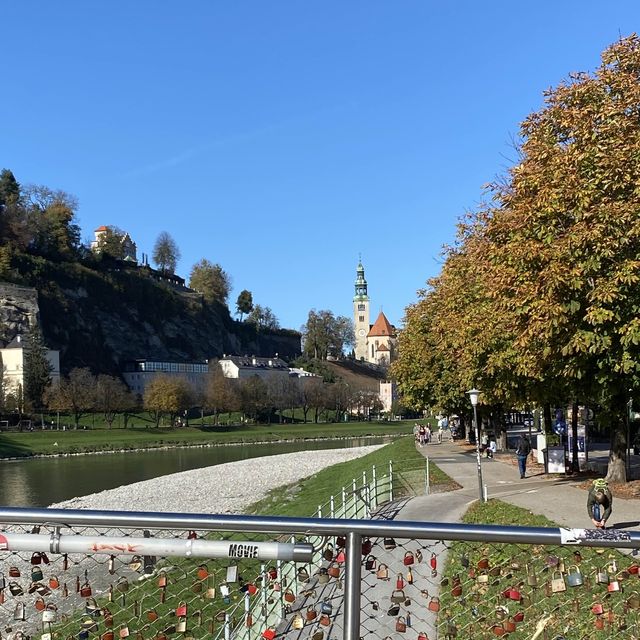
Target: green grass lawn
[(71, 441), (302, 498)]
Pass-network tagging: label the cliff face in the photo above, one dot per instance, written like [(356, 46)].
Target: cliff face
[(101, 320), (18, 310)]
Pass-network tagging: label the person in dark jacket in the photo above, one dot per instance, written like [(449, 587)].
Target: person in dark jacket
[(599, 503), (522, 453)]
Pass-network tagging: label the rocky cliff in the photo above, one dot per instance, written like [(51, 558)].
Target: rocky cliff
[(101, 319)]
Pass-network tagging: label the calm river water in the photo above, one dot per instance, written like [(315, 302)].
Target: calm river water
[(41, 482)]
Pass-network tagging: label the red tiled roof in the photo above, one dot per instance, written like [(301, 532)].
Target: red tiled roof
[(381, 327), (102, 228), (382, 347)]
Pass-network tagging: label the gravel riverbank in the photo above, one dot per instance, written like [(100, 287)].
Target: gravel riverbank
[(223, 488)]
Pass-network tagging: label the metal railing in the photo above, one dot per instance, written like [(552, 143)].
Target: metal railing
[(466, 579)]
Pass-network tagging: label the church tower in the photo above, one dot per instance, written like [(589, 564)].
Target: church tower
[(361, 314)]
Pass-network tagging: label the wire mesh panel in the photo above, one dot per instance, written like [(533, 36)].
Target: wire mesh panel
[(112, 595)]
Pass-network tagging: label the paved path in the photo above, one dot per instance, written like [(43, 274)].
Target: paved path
[(558, 498)]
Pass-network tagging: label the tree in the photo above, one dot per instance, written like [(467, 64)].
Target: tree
[(37, 368), (52, 219), (166, 395), (9, 188), (166, 253), (211, 280), (263, 318), (324, 334), (112, 396), (244, 303), (220, 393), (539, 299), (254, 397), (75, 394)]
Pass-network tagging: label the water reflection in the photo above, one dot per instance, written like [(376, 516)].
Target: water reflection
[(38, 483)]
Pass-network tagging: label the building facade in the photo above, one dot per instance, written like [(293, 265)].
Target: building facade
[(13, 364), (138, 373)]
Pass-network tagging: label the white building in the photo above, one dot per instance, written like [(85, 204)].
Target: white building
[(129, 249), (240, 367), (13, 364), (139, 373)]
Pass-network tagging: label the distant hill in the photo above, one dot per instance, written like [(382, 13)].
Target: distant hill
[(102, 318), (356, 373)]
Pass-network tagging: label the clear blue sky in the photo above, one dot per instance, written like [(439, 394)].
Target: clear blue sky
[(282, 139)]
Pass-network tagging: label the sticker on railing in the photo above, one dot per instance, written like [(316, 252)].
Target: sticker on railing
[(579, 536)]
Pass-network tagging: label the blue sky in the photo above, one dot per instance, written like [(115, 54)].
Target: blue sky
[(282, 139)]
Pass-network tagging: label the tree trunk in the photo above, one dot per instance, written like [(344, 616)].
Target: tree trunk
[(575, 463), (617, 470), (547, 418)]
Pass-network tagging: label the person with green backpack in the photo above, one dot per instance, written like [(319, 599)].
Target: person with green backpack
[(599, 503)]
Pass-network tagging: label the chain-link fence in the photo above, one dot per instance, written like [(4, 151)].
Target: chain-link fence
[(82, 575)]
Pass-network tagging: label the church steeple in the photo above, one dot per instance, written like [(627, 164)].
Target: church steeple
[(361, 313), (361, 284)]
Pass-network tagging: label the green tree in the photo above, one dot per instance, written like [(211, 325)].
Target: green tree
[(9, 188), (211, 280), (254, 398), (244, 303), (75, 394), (324, 334), (166, 395), (263, 318), (166, 253), (37, 369), (52, 219)]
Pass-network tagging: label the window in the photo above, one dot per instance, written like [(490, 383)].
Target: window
[(360, 307), (360, 318)]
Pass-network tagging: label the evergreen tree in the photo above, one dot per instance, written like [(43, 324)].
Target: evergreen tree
[(37, 368), (9, 188)]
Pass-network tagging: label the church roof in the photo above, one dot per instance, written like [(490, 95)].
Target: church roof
[(102, 228), (382, 327), (382, 347)]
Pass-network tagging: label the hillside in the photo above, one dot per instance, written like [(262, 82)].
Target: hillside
[(102, 318), (356, 374)]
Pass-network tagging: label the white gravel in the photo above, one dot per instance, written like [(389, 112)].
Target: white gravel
[(223, 488)]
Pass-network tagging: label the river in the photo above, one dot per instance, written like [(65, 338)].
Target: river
[(44, 481)]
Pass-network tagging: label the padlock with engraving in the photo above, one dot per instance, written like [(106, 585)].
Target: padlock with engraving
[(18, 611)]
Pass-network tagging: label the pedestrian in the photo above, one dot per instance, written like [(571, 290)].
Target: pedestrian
[(484, 442), (522, 452), (492, 447), (599, 503), (427, 434), (440, 434)]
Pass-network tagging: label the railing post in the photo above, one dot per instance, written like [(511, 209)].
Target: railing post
[(390, 480), (427, 481), (374, 483), (227, 627), (344, 503), (354, 499), (352, 589), (332, 509)]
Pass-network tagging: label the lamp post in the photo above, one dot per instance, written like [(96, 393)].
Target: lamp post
[(473, 396)]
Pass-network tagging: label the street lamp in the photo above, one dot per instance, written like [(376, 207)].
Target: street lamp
[(473, 396)]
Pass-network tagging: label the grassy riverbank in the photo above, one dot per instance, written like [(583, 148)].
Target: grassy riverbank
[(24, 444), (302, 498)]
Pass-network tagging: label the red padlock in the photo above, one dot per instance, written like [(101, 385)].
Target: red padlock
[(518, 616), (269, 633), (514, 594), (408, 559), (597, 608), (433, 561), (367, 546), (400, 581)]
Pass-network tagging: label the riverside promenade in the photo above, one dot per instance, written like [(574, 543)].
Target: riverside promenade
[(559, 498)]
